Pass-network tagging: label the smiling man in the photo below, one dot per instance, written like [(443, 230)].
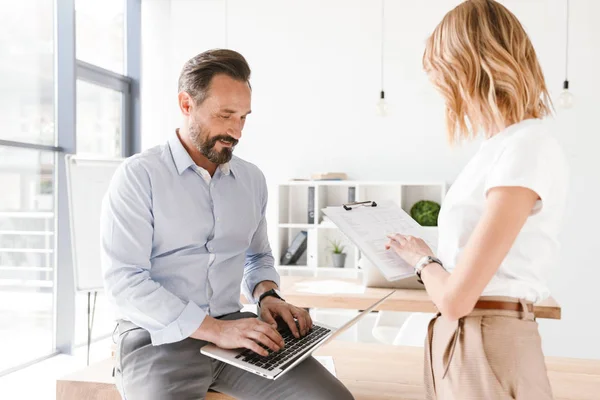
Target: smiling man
[(183, 229)]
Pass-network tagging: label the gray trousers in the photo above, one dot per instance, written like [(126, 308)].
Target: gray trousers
[(177, 371)]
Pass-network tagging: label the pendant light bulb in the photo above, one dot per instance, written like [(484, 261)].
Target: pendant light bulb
[(382, 106), (566, 99)]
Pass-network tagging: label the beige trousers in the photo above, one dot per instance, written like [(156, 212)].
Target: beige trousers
[(487, 355)]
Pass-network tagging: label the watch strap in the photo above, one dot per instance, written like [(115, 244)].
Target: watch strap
[(268, 293), (423, 262)]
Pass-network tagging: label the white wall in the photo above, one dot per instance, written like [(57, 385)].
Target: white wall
[(315, 81)]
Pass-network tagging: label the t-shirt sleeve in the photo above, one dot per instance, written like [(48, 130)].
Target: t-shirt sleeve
[(532, 160)]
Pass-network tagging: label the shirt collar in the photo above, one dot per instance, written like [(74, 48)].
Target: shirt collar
[(183, 160), (226, 169)]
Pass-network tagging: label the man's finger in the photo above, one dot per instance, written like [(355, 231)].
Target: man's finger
[(270, 332), (289, 319), (268, 318), (309, 319), (297, 313), (264, 339), (303, 320), (252, 345)]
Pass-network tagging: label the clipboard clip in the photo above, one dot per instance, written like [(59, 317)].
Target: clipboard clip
[(348, 207)]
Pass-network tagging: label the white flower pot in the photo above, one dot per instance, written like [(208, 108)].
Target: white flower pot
[(339, 260)]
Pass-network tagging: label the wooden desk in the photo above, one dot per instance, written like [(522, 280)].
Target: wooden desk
[(351, 294), (370, 371)]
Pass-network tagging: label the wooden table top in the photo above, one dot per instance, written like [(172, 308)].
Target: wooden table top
[(352, 294)]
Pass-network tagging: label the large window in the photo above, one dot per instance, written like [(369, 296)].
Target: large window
[(26, 255), (26, 71), (100, 33), (99, 120), (27, 218), (79, 44)]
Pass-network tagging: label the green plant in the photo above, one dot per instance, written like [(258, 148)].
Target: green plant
[(425, 212), (337, 247)]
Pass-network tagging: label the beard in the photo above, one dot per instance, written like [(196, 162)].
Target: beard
[(206, 144)]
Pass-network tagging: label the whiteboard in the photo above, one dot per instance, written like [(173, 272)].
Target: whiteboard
[(87, 182)]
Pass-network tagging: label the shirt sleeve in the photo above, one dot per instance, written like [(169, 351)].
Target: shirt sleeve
[(126, 246), (259, 264), (532, 160)]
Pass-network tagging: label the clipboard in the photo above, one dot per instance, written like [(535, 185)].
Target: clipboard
[(367, 223), (369, 203)]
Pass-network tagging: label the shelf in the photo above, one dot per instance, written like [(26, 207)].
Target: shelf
[(327, 226), (362, 183), (319, 183), (294, 268), (296, 198), (298, 226)]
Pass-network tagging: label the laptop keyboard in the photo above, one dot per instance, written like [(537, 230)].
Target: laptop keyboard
[(293, 348)]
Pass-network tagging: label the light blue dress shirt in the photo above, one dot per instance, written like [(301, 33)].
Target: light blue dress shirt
[(177, 245)]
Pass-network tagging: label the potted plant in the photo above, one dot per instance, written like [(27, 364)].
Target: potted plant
[(338, 255), (425, 212)]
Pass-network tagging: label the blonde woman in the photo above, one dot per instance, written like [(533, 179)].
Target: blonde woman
[(500, 221)]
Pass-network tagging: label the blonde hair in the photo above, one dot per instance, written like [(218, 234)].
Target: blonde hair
[(482, 61)]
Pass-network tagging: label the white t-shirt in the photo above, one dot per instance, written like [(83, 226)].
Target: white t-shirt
[(525, 155)]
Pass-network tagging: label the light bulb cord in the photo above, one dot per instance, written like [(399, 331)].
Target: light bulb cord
[(567, 49), (226, 24), (382, 41)]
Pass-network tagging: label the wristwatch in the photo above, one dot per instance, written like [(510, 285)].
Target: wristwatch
[(423, 262), (272, 292)]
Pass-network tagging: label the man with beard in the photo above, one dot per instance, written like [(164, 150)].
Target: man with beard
[(183, 227)]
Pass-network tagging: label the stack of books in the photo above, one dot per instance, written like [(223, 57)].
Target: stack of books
[(329, 176)]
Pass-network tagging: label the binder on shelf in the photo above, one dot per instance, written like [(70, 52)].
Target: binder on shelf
[(311, 204), (295, 249), (312, 250), (351, 194)]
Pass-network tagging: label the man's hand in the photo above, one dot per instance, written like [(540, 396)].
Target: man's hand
[(272, 307), (242, 333)]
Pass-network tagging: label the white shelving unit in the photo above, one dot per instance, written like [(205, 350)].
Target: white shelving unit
[(293, 217)]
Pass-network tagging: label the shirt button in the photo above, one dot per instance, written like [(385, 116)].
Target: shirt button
[(218, 219)]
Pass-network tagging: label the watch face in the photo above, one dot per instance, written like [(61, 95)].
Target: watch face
[(278, 293)]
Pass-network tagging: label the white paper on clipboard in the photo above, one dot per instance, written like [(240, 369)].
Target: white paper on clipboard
[(367, 227)]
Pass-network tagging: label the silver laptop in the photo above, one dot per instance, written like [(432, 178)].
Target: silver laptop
[(276, 364), (373, 278)]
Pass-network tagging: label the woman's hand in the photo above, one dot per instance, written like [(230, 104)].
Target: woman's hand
[(409, 248)]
